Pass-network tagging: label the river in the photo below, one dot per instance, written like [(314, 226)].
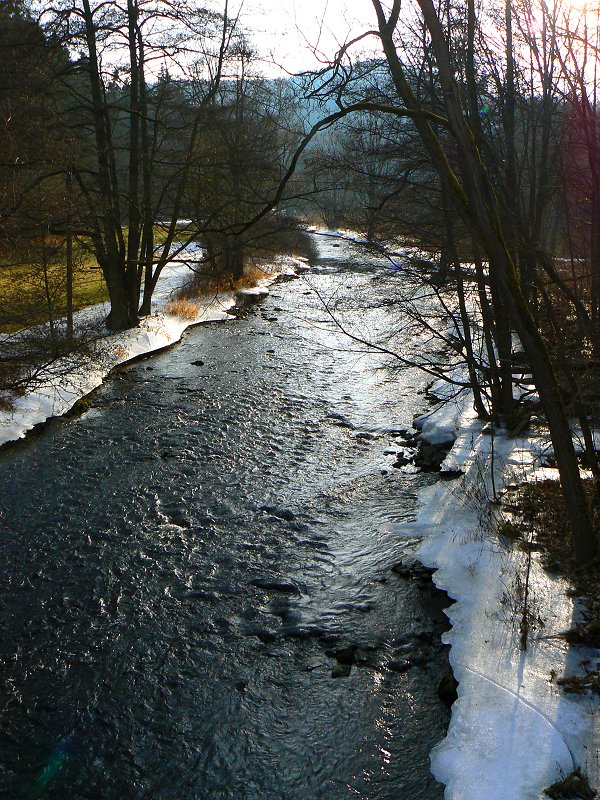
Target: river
[(181, 564)]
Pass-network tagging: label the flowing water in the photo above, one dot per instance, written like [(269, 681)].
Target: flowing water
[(180, 564)]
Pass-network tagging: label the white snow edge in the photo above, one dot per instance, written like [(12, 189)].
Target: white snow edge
[(513, 732), (69, 379)]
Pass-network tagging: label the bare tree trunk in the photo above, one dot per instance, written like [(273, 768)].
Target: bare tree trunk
[(488, 327), (467, 339), (484, 216), (133, 201), (48, 298), (153, 270), (69, 262), (476, 202), (112, 255), (145, 266)]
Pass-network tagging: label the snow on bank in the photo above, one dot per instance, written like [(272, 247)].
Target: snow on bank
[(67, 380), (513, 731)]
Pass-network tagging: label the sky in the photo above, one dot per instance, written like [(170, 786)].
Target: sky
[(287, 31)]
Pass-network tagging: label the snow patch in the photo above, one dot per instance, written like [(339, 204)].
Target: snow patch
[(69, 379), (513, 731)]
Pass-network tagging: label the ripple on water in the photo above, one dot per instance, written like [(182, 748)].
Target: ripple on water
[(178, 562)]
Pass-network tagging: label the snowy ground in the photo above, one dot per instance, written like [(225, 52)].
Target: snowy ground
[(64, 382), (513, 731)]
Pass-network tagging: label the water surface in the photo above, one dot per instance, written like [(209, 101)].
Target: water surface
[(179, 564)]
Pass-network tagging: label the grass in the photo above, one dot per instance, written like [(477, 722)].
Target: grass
[(23, 297), (23, 290), (30, 295), (182, 307), (223, 282)]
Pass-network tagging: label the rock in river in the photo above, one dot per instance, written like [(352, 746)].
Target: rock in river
[(447, 689), (341, 670)]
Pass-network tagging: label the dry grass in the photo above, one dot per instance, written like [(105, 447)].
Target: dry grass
[(540, 504), (213, 282), (182, 307)]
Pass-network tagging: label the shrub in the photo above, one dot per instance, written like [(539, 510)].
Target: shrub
[(182, 307)]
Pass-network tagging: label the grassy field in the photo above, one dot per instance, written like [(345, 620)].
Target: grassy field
[(31, 293)]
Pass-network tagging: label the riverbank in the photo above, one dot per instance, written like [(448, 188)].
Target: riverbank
[(513, 731), (61, 384)]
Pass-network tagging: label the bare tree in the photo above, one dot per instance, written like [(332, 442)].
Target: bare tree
[(130, 40)]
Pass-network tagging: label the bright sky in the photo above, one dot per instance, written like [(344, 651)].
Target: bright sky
[(290, 29)]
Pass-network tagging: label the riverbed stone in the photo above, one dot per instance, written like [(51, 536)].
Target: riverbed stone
[(341, 670), (429, 457), (280, 513), (343, 423), (446, 690), (275, 585), (343, 655), (265, 636), (399, 665), (425, 636), (402, 570)]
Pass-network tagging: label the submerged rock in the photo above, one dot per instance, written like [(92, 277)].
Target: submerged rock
[(275, 585), (425, 636), (399, 665), (280, 513), (402, 570), (401, 460), (265, 636), (341, 670), (343, 423), (343, 655), (446, 690)]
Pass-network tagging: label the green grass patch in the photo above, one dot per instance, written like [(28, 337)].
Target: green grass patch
[(33, 286), (34, 292)]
